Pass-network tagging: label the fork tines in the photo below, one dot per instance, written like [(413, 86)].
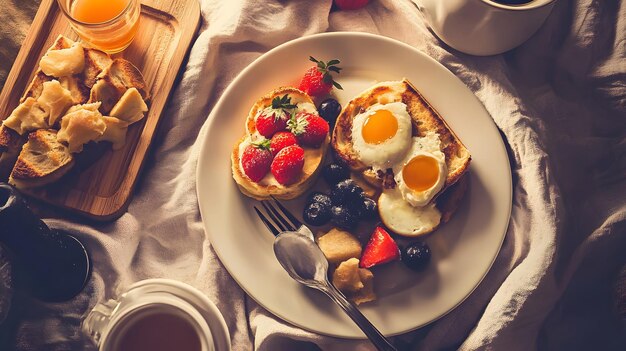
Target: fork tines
[(280, 219)]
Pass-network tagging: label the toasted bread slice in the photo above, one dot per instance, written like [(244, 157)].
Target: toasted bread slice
[(113, 82), (43, 160), (268, 186), (424, 119)]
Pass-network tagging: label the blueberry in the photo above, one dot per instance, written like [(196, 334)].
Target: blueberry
[(416, 256), (343, 218), (333, 173), (320, 197), (329, 109), (367, 209), (317, 213), (346, 192)]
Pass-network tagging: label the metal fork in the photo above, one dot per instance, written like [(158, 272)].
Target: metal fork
[(305, 262), (284, 220)]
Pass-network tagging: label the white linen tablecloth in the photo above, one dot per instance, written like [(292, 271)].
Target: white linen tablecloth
[(560, 102)]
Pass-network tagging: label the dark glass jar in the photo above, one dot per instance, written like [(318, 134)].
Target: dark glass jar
[(52, 263)]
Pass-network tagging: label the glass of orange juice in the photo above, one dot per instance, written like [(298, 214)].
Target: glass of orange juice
[(109, 25)]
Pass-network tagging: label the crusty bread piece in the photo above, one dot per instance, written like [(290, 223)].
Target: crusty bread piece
[(313, 158), (113, 82), (424, 117), (43, 160)]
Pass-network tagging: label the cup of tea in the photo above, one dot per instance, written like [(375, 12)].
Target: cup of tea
[(154, 314), (108, 25), (485, 27)]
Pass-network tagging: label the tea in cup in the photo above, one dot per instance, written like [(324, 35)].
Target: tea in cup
[(155, 315)]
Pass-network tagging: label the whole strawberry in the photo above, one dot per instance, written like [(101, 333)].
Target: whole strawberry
[(281, 140), (350, 4), (317, 80), (274, 118), (256, 160), (287, 165), (310, 130)]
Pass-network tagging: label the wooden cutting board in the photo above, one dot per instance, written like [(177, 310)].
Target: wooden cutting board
[(102, 189)]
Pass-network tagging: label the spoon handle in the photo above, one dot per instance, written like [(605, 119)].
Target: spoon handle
[(366, 326)]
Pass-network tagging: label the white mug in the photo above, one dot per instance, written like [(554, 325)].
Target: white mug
[(144, 306), (484, 27)]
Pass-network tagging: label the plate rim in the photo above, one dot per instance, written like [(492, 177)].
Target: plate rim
[(231, 86)]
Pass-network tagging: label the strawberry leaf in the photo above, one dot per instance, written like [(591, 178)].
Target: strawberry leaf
[(263, 144), (334, 69), (297, 125), (282, 103)]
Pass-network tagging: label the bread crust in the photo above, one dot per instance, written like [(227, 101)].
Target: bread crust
[(313, 157), (29, 171)]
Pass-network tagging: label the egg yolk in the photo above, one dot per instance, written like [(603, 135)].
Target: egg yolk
[(421, 173), (379, 126)]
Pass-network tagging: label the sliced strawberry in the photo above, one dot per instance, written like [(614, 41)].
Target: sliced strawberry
[(317, 80), (309, 129), (381, 248), (287, 165), (274, 118), (350, 4), (256, 160), (281, 140)]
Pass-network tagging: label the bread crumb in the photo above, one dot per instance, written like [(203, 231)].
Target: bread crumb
[(356, 283), (339, 246)]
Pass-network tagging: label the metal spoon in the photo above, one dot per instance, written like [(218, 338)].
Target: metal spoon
[(306, 263)]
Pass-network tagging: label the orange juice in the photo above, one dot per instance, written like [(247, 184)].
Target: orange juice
[(97, 11), (109, 25)]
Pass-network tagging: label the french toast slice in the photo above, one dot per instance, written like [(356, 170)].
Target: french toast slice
[(268, 186), (43, 160), (424, 118)]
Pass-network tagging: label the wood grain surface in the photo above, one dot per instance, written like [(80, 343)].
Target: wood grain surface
[(101, 188)]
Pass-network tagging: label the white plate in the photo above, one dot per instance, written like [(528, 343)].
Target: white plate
[(463, 249)]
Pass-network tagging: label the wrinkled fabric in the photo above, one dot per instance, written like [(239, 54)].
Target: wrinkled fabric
[(559, 101)]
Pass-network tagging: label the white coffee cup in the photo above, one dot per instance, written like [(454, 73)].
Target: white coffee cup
[(484, 27), (119, 321)]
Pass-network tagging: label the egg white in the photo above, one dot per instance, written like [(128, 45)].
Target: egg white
[(404, 219), (386, 154), (429, 145)]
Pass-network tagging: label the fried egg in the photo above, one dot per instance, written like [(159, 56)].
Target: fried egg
[(404, 219), (423, 171), (381, 135)]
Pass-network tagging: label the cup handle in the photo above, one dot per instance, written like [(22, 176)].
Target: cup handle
[(97, 321)]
